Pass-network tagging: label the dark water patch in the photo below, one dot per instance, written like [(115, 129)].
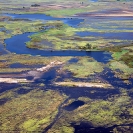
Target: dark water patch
[(48, 76), (19, 65), (131, 91), (85, 127), (5, 87), (76, 92), (29, 77), (74, 105), (73, 60), (3, 60), (108, 75), (93, 93), (3, 101), (23, 91), (13, 74), (111, 35), (74, 22)]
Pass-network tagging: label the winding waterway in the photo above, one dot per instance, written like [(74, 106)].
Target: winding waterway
[(17, 45)]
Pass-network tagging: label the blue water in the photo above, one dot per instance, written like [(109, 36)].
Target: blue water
[(70, 21), (111, 35), (94, 0), (17, 45)]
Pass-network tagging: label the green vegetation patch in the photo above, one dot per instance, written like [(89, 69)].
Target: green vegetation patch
[(62, 129), (84, 67), (123, 54), (119, 55), (11, 28), (56, 35), (62, 37), (26, 60), (66, 12), (100, 113), (125, 70), (30, 112)]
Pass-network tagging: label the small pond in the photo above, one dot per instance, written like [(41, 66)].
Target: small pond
[(74, 105)]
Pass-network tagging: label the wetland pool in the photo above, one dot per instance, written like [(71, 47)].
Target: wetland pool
[(74, 105)]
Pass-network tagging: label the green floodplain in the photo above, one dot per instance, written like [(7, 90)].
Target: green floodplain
[(42, 93)]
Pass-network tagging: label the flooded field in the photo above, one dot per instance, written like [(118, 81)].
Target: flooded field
[(66, 67)]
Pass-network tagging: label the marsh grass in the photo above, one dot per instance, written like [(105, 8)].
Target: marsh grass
[(100, 113), (30, 112), (26, 60), (84, 67), (122, 59), (12, 28)]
